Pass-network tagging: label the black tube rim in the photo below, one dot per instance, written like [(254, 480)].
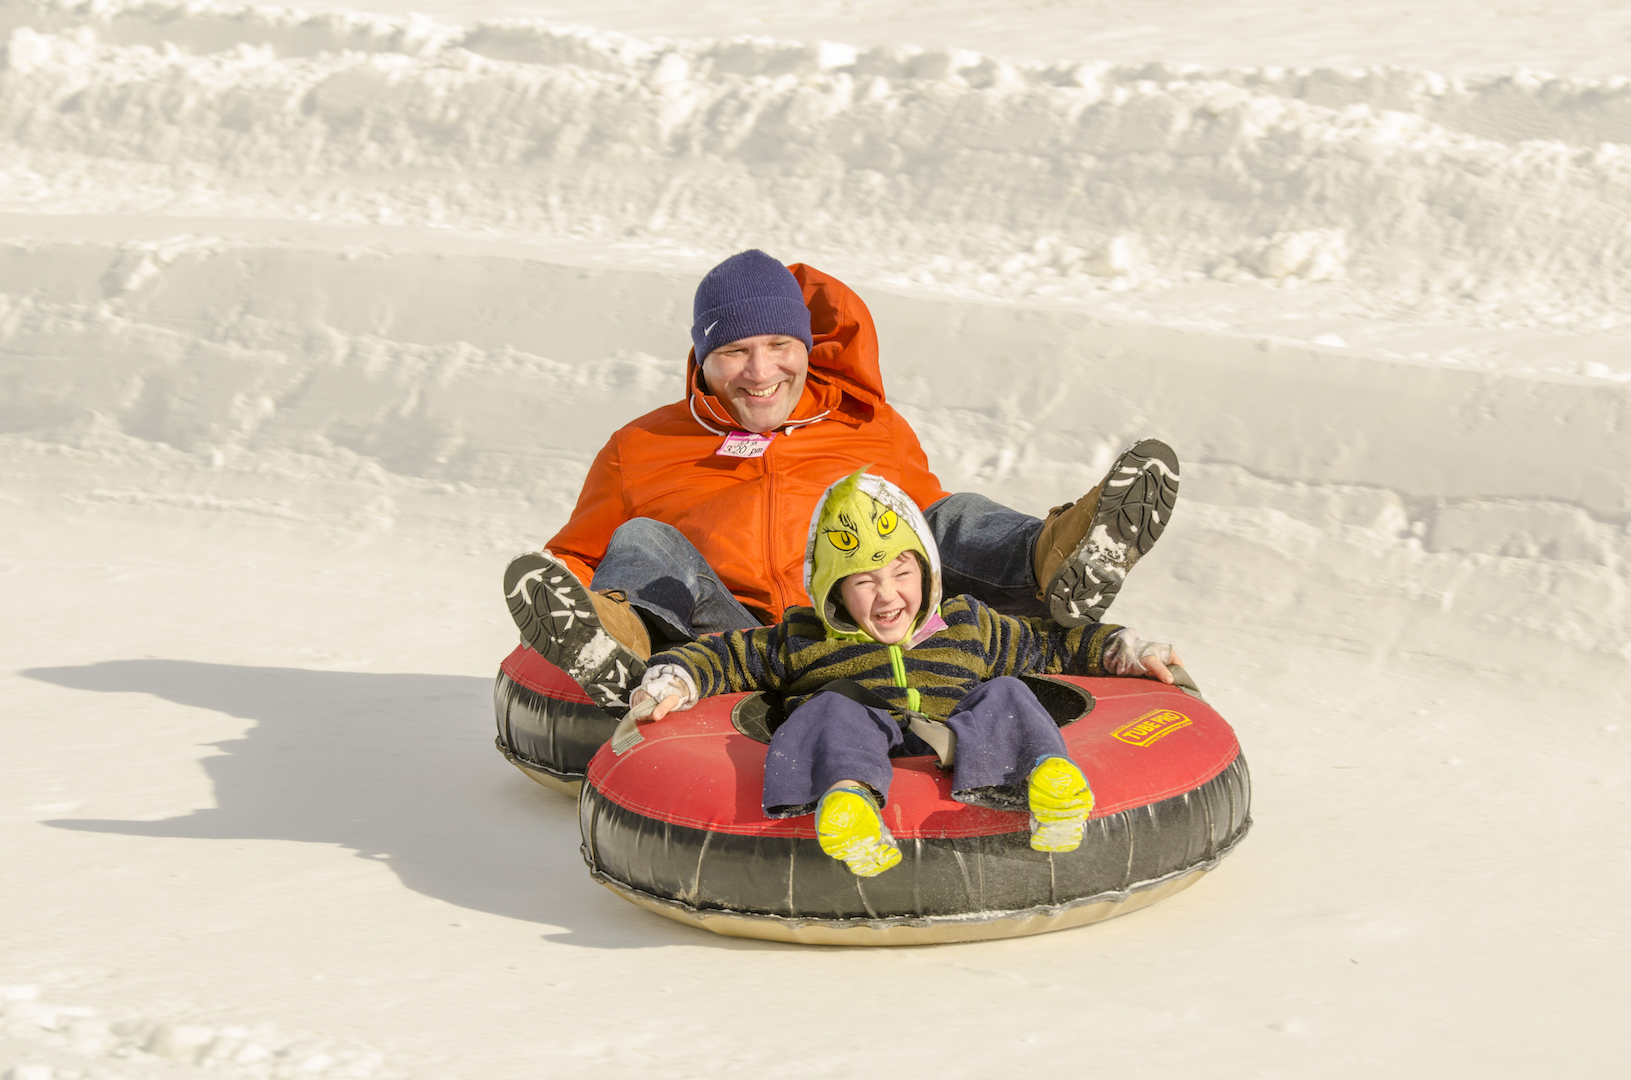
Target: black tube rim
[(1117, 896)]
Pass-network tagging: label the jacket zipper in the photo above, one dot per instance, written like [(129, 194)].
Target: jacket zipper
[(897, 663), (770, 527)]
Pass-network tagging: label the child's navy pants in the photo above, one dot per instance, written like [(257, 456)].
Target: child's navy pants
[(1001, 730)]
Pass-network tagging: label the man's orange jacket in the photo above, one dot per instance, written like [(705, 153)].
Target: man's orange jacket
[(749, 517)]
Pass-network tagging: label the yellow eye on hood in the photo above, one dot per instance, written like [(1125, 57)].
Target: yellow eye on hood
[(887, 523), (843, 541)]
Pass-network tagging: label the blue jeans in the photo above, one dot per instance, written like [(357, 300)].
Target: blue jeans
[(985, 551), (666, 579)]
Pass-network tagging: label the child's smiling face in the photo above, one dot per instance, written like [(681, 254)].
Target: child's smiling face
[(885, 602)]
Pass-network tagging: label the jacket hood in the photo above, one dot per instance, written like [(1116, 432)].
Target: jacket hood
[(861, 523), (845, 382)]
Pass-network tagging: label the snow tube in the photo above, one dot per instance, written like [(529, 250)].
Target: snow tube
[(547, 726), (674, 825)]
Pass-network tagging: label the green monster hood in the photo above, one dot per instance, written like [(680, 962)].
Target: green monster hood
[(864, 522)]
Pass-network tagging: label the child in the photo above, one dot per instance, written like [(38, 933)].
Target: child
[(882, 649)]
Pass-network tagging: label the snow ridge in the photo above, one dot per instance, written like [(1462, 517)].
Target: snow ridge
[(1507, 196), (50, 1036)]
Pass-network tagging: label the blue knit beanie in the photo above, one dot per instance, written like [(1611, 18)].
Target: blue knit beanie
[(747, 294)]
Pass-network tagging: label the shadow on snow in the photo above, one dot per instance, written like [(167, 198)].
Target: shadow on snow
[(396, 767)]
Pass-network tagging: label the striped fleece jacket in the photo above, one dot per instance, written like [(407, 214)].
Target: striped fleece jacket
[(796, 657)]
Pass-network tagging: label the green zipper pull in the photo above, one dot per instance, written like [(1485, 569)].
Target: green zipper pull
[(897, 662)]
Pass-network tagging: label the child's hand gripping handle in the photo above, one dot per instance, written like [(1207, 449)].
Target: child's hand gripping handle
[(664, 689), (627, 732), (1181, 679)]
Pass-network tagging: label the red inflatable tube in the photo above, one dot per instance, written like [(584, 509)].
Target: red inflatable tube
[(547, 726), (675, 825)]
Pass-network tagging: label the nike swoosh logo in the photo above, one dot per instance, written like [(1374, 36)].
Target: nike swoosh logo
[(710, 329)]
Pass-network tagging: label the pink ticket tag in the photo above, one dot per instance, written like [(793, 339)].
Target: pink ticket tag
[(744, 444)]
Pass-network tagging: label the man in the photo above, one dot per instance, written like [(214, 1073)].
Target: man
[(694, 518)]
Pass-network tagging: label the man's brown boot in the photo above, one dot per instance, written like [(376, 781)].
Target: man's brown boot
[(1086, 548), (597, 639), (622, 621), (1062, 533)]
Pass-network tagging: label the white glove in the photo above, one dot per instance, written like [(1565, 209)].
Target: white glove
[(665, 680), (1126, 652)]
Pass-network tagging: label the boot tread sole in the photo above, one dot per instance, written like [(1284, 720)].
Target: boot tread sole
[(557, 620), (1134, 507)]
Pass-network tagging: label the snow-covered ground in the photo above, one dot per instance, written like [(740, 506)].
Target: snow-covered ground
[(309, 321)]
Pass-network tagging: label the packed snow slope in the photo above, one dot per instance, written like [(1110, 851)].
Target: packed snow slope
[(1583, 37), (1501, 200), (308, 321)]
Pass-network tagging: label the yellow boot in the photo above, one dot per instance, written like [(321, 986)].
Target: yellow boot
[(850, 829), (1060, 804)]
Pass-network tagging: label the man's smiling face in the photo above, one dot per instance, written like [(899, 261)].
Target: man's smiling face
[(759, 378)]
